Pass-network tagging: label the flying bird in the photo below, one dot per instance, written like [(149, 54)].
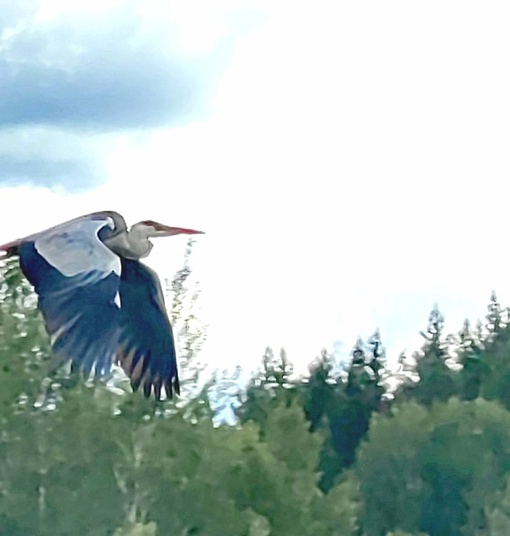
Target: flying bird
[(100, 304)]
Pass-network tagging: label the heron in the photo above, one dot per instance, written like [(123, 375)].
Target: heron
[(100, 304)]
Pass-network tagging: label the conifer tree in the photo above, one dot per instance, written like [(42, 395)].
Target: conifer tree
[(471, 357), (190, 331), (494, 364), (104, 462), (436, 380), (271, 387), (434, 469)]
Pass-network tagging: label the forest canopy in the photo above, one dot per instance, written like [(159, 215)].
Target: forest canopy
[(360, 449)]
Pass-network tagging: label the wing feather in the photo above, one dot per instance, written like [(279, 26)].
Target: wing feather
[(146, 345), (97, 307), (77, 279), (76, 249)]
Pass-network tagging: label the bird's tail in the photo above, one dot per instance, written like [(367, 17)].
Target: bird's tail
[(7, 253), (9, 249)]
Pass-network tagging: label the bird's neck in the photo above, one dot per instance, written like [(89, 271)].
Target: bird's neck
[(131, 244), (140, 246)]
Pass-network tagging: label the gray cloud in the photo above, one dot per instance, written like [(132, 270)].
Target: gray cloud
[(112, 95), (103, 78), (76, 174), (50, 157), (63, 81)]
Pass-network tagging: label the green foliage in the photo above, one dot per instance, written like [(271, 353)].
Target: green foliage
[(185, 310), (324, 455), (271, 389), (338, 407), (484, 357), (138, 529), (24, 349), (342, 408), (82, 470), (497, 513), (437, 380), (94, 460), (402, 533), (432, 469), (473, 364), (190, 331)]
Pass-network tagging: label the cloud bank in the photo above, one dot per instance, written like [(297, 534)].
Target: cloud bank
[(90, 72)]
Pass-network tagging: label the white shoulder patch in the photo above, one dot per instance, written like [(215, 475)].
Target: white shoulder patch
[(76, 249)]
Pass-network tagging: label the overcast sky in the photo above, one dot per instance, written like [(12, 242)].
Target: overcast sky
[(347, 160)]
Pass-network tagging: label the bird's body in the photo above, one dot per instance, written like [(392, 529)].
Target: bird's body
[(100, 304)]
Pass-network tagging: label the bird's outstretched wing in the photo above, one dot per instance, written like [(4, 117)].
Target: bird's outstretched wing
[(146, 349), (77, 279), (98, 307)]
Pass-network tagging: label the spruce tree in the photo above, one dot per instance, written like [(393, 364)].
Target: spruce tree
[(437, 381)]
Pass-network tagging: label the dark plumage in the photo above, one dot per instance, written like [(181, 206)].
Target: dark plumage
[(99, 303)]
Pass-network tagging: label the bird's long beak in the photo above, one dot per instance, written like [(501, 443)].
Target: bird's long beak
[(165, 230)]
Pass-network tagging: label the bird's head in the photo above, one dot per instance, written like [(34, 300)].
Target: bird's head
[(153, 229)]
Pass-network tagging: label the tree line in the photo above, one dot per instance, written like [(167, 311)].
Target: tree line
[(359, 449)]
